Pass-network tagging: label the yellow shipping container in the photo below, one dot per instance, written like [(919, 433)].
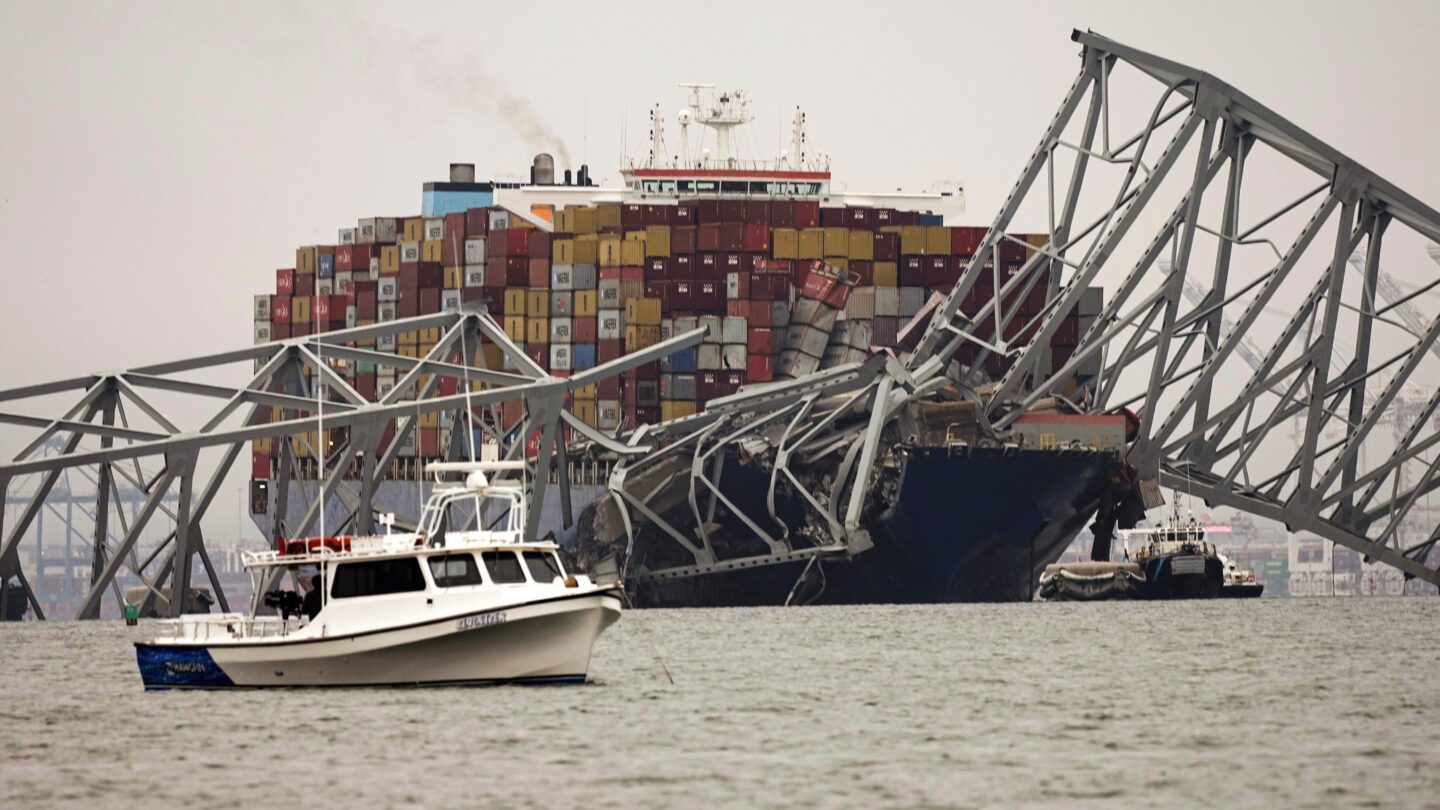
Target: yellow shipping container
[(607, 215), (562, 251), (430, 420), (912, 240), (587, 249), (632, 251), (432, 250), (305, 259), (862, 245), (408, 338), (586, 303), (585, 220), (428, 337), (585, 411), (887, 274), (590, 391), (454, 278), (515, 328), (937, 240), (414, 229), (837, 242), (643, 311), (537, 303), (812, 244), (389, 258), (261, 445), (515, 300), (1036, 240), (838, 262), (676, 409), (610, 250), (300, 309), (657, 240), (494, 355), (641, 337), (631, 289), (537, 331), (786, 242), (409, 351), (565, 220)]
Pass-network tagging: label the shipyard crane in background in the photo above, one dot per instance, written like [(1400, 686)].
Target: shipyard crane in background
[(1099, 171)]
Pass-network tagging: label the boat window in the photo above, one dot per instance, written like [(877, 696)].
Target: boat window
[(451, 570), (543, 567), (504, 567), (377, 577)]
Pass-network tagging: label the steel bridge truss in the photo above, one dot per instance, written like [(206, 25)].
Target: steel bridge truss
[(1312, 254), (298, 377)]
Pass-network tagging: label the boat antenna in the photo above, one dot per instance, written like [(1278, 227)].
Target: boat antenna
[(320, 408), (469, 409)]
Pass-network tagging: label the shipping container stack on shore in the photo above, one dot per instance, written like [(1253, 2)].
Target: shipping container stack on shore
[(782, 288)]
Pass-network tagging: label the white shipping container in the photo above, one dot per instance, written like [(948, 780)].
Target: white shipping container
[(562, 277), (383, 387), (607, 414), (560, 357), (324, 286), (262, 332), (474, 275), (713, 326), (562, 303), (813, 341), (733, 357), (262, 307), (562, 330), (609, 296), (342, 283), (610, 324), (584, 276), (862, 333), (911, 299), (686, 324), (407, 443), (374, 266), (804, 365), (434, 229), (682, 387), (449, 300), (887, 302), (387, 311), (385, 343), (780, 314), (474, 251), (409, 252), (387, 289), (378, 229), (732, 286), (348, 236), (732, 330), (499, 220), (861, 303), (667, 328), (708, 357)]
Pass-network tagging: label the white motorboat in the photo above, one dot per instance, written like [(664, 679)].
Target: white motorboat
[(429, 608)]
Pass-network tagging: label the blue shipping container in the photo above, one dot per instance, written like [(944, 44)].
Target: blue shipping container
[(681, 362), (583, 356)]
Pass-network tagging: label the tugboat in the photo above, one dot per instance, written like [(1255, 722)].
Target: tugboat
[(1240, 583), (1177, 561), (435, 607)]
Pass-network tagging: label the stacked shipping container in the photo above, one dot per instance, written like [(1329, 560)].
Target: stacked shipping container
[(782, 288)]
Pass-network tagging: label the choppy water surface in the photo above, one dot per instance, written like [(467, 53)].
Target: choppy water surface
[(1324, 702)]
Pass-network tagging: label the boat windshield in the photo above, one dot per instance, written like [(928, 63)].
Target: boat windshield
[(457, 508)]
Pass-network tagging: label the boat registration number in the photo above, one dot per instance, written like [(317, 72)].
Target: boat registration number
[(483, 620)]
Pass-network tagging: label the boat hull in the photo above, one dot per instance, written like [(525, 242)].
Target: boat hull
[(1192, 576), (547, 641)]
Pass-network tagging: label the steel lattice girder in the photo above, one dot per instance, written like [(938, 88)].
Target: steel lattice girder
[(280, 381), (1171, 354)]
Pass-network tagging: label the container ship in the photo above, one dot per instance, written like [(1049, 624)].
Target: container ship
[(788, 277)]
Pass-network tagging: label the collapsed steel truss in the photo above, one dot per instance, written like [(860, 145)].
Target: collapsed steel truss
[(1205, 428), (295, 376)]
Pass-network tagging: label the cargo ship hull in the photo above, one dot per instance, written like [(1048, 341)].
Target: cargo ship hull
[(972, 528)]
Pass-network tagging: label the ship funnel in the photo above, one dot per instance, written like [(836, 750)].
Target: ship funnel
[(462, 172), (567, 177), (584, 178), (542, 171)]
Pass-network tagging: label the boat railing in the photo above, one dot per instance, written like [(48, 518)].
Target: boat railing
[(207, 627)]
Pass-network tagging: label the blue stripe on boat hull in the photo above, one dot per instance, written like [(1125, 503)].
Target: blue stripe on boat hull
[(164, 667)]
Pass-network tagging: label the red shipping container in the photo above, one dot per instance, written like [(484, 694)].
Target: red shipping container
[(807, 214), (407, 303), (838, 296), (491, 297), (912, 271), (965, 240), (449, 386), (299, 330), (538, 244), (761, 340), (657, 268), (706, 211), (684, 215), (660, 289), (511, 242), (280, 309), (457, 226), (683, 239), (330, 308), (279, 331), (429, 442), (285, 282), (817, 285), (707, 386), (757, 237), (759, 368), (452, 248), (304, 284), (477, 221), (731, 263), (782, 214), (659, 214), (609, 274), (607, 350), (862, 272), (731, 381), (832, 217), (887, 247), (682, 268), (608, 387), (757, 212), (939, 270), (537, 273), (540, 354), (707, 237), (737, 285), (682, 296), (585, 329), (884, 218), (632, 216), (732, 211), (859, 217), (260, 466), (736, 307), (709, 296), (365, 386), (732, 236), (1012, 252), (429, 300), (345, 258), (632, 274), (709, 268)]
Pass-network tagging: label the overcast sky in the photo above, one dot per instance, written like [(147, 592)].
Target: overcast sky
[(158, 161)]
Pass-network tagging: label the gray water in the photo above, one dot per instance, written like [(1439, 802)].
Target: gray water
[(1284, 702)]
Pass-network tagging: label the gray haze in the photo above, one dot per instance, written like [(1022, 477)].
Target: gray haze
[(158, 161)]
